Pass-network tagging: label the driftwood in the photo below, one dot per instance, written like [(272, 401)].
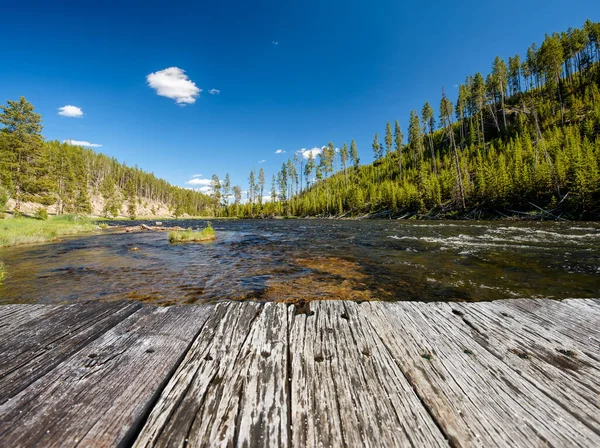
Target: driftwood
[(143, 227), (504, 373)]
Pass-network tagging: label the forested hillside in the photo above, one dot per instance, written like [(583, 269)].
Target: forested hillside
[(72, 179), (522, 139)]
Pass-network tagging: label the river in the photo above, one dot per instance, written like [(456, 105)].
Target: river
[(314, 259)]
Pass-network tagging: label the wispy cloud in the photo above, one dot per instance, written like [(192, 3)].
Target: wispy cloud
[(197, 181), (82, 143), (70, 111), (275, 43), (196, 175), (173, 83), (280, 151), (314, 151), (214, 91), (262, 161)]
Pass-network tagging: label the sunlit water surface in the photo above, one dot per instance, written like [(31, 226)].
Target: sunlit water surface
[(313, 259)]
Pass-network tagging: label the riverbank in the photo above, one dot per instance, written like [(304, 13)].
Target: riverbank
[(19, 231)]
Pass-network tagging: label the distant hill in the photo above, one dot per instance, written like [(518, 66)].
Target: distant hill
[(64, 178)]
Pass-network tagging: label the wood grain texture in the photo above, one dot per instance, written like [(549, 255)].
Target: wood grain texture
[(346, 388), (231, 387), (38, 345), (476, 397), (102, 393), (14, 316), (506, 373), (552, 362)]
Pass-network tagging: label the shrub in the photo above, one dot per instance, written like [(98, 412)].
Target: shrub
[(182, 236), (41, 214)]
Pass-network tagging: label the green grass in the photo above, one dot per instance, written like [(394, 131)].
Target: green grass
[(2, 272), (183, 236), (27, 230)]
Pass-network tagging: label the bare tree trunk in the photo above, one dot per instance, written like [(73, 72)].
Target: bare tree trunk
[(458, 172), (494, 117), (502, 103), (432, 152)]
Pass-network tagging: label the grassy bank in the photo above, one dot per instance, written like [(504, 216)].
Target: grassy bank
[(182, 236), (27, 230)]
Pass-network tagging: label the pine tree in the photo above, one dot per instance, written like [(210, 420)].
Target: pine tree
[(131, 199), (478, 96), (446, 112), (388, 138), (514, 71), (415, 140), (398, 137), (261, 184), (215, 187), (354, 155), (376, 147), (308, 168), (429, 122), (500, 81), (226, 187), (21, 145), (344, 160)]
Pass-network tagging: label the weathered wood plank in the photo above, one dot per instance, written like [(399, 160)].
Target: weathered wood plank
[(475, 397), (231, 388), (39, 344), (346, 388), (14, 316), (101, 395), (567, 317), (375, 374), (550, 361)]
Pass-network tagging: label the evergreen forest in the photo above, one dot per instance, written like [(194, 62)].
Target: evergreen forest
[(521, 140), (65, 176)]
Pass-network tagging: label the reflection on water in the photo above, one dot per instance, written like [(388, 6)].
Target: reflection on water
[(289, 260)]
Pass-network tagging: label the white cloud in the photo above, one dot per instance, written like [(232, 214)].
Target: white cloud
[(82, 143), (262, 161), (204, 190), (214, 91), (173, 83), (306, 152), (196, 175), (280, 151), (197, 181), (70, 111)]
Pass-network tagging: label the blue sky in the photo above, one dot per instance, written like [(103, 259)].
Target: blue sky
[(291, 75)]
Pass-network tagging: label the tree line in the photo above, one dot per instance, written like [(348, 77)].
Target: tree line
[(60, 174), (523, 138)]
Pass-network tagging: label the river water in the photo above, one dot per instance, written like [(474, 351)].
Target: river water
[(313, 259)]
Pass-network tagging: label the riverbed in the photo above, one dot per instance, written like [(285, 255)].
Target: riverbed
[(289, 260)]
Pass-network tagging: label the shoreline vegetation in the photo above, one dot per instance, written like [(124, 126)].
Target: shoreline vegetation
[(23, 230), (184, 236)]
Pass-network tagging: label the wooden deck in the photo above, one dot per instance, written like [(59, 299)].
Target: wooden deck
[(508, 373)]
